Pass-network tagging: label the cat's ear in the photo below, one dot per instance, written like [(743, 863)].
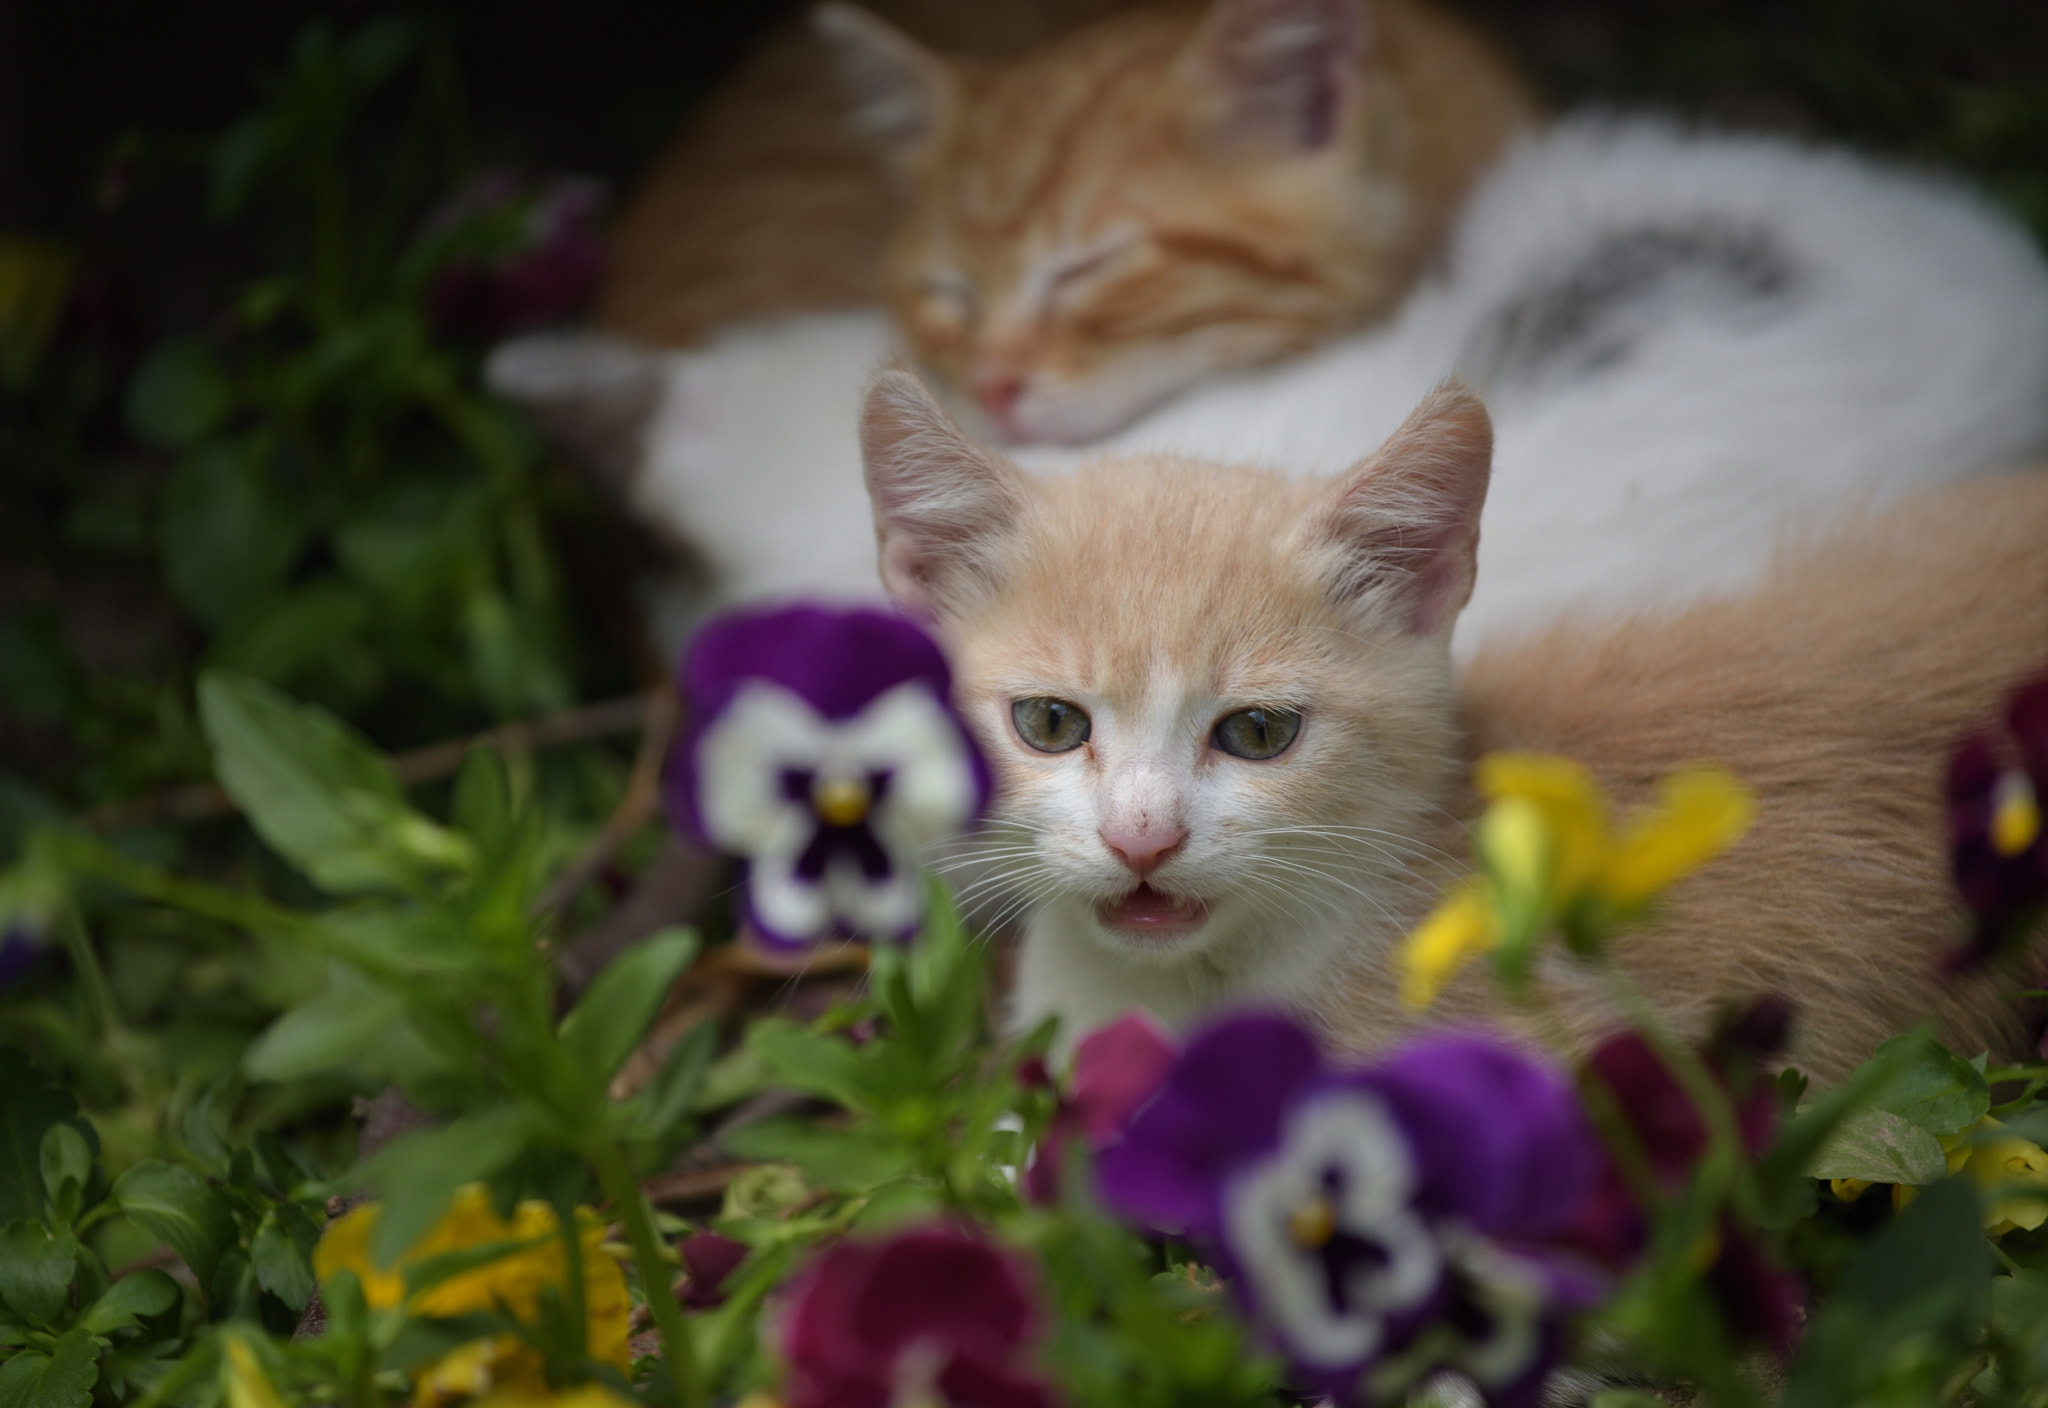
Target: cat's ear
[(941, 501), (901, 91), (1401, 528), (1277, 72)]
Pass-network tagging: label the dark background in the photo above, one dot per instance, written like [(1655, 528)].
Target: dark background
[(594, 85)]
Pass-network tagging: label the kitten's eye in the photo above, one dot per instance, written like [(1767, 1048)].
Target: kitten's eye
[(1050, 725), (1257, 733)]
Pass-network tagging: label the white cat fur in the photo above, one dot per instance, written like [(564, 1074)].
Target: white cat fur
[(1910, 348)]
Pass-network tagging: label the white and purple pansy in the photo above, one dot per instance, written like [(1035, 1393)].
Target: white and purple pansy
[(823, 748), (1406, 1214)]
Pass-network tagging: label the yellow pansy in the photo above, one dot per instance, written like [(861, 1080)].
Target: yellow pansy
[(2011, 1174), (1462, 927), (1551, 850), (512, 1282)]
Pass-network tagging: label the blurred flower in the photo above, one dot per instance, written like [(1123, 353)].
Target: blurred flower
[(527, 251), (1116, 1069), (1759, 1300), (511, 1283), (1359, 1208), (2009, 1173), (246, 1385), (33, 894), (1997, 849), (823, 748), (708, 1259), (930, 1316), (1552, 857)]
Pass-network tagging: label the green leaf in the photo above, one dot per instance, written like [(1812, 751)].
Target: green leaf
[(810, 1062), (228, 536), (177, 395), (65, 1161), (178, 1208), (36, 1271), (2019, 1308), (620, 1003), (1881, 1147), (843, 1160), (316, 792), (330, 1033), (136, 1296), (282, 1254), (1933, 1087), (665, 1101), (416, 1176), (482, 808), (63, 1378), (33, 1105)]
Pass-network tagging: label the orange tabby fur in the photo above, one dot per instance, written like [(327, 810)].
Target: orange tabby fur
[(1249, 245), (1162, 593), (765, 200), (1836, 691)]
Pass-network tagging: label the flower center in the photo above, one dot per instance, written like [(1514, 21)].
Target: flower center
[(1312, 1225), (841, 801), (2015, 815)]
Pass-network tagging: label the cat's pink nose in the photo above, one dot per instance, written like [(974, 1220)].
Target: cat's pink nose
[(1145, 849), (998, 393)]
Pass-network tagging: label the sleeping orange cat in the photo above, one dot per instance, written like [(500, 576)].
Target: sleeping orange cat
[(1092, 227), (1231, 749)]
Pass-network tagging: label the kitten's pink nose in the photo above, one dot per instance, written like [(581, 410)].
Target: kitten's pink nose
[(998, 393), (1143, 849)]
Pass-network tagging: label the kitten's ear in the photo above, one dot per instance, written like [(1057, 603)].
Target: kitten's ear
[(901, 91), (1402, 527), (941, 501), (1277, 72)]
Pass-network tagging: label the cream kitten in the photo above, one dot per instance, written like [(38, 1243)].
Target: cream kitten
[(1231, 761)]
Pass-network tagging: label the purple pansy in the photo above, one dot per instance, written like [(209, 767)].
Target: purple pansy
[(1116, 1070), (530, 253), (1998, 848), (823, 747), (1360, 1208), (20, 947)]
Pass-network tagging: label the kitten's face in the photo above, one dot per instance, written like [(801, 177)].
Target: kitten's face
[(1100, 225), (1218, 701)]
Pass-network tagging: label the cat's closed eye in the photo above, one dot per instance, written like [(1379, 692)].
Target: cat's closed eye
[(1050, 725), (949, 296), (1257, 733)]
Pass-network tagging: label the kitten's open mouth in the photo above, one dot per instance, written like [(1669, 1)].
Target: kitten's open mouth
[(1146, 913)]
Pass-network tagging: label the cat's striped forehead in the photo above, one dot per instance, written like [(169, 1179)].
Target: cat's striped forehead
[(1039, 142), (1134, 573)]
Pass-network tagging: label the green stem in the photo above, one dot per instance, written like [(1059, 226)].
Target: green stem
[(99, 995), (624, 1191)]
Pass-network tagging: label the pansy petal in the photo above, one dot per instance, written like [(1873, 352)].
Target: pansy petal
[(1220, 1105), (1501, 1140), (788, 911), (1700, 813), (1570, 802), (1459, 929), (1118, 1068), (737, 767), (2026, 715)]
